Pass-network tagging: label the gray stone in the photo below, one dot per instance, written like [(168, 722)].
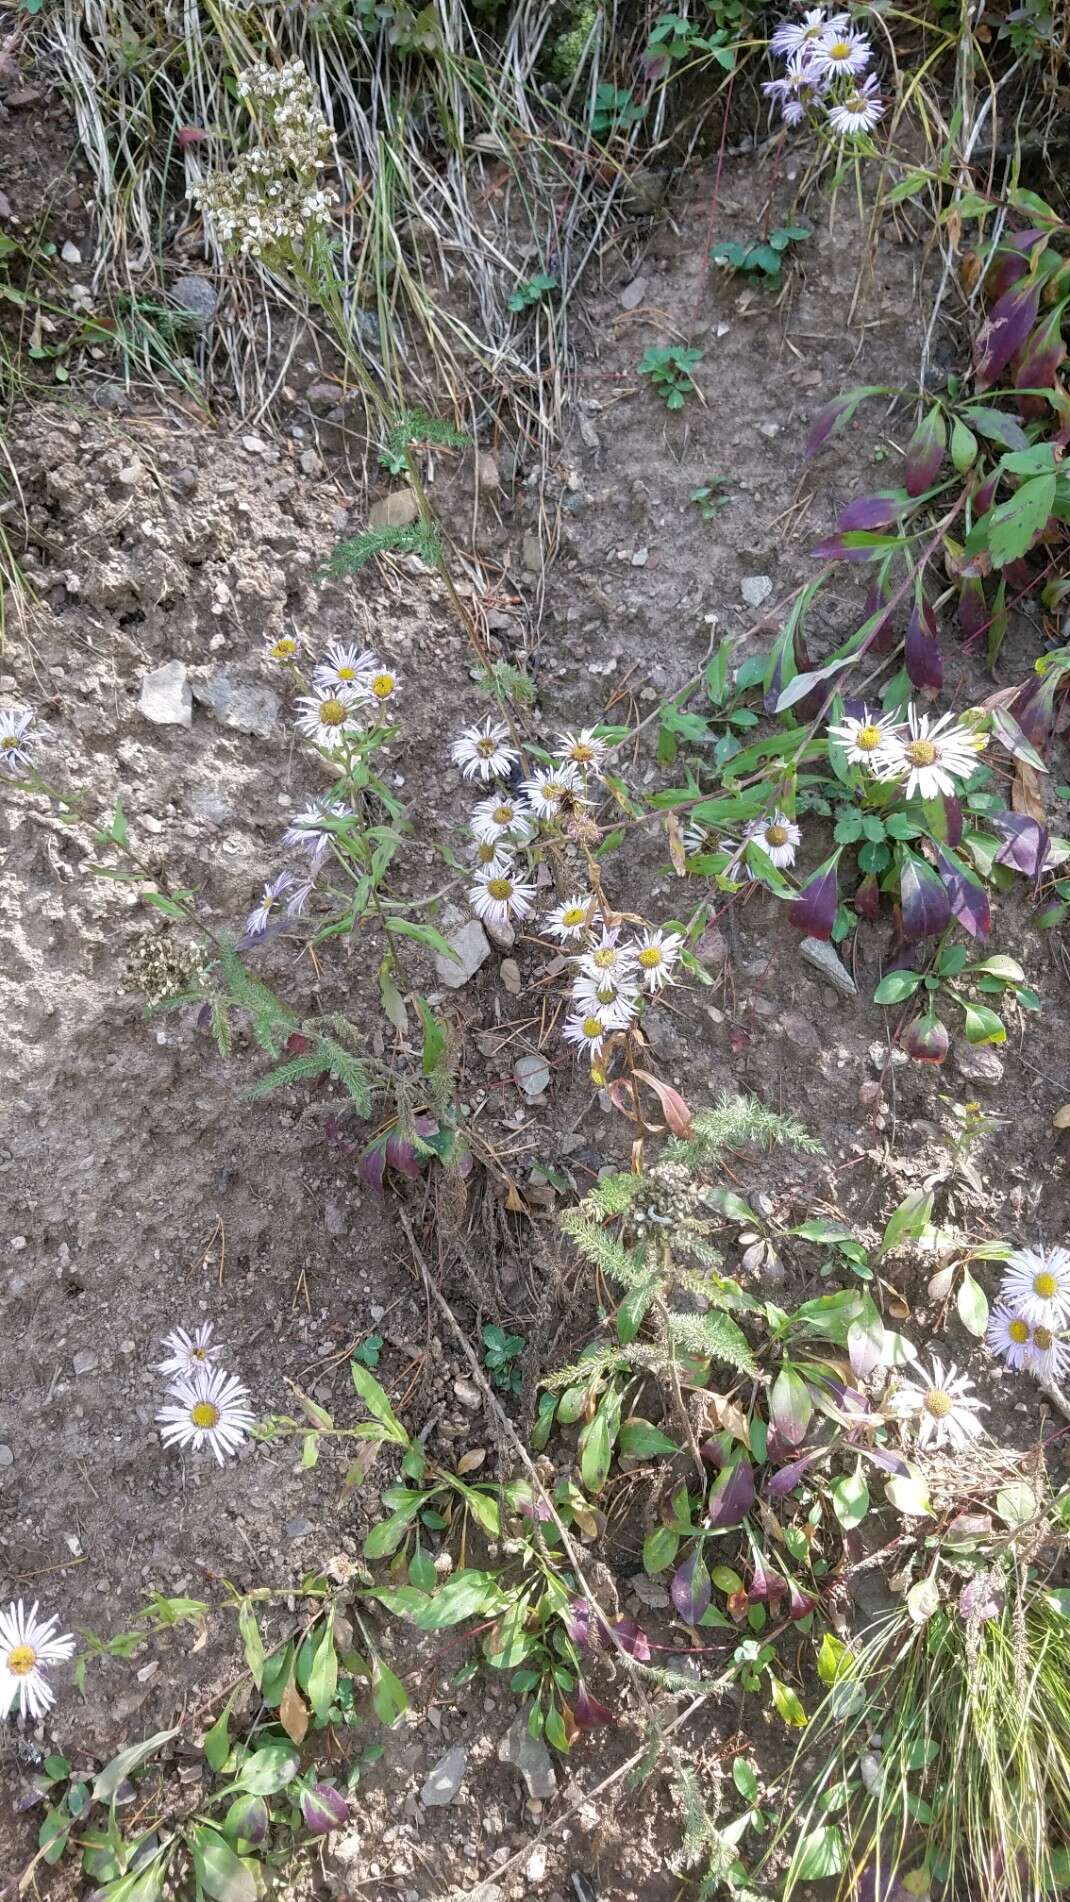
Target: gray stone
[(212, 807), (445, 1779), (165, 695), (186, 480), (396, 510), (237, 703), (85, 1361), (7, 1457), (632, 295), (532, 1073), (755, 589), (529, 1756), (472, 948), (197, 298), (70, 253), (298, 1528), (819, 953), (978, 1065), (531, 552)]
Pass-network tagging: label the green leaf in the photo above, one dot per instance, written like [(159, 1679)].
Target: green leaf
[(659, 1549), (219, 1871), (909, 1494), (787, 1704), (424, 934), (509, 1643), (744, 1779), (1008, 969), (390, 1699), (252, 1642), (833, 1659), (963, 446), (127, 1761), (972, 1304), (377, 1404), (908, 187), (909, 1220), (639, 1440), (922, 1600), (596, 1442), (434, 1038), (1009, 530), (269, 1769), (982, 1024), (117, 830), (850, 1498), (897, 986), (821, 1852), (633, 1310), (468, 1594), (323, 1677), (216, 1745)]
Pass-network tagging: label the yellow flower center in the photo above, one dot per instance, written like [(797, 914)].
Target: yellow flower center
[(205, 1414), (485, 852), (21, 1660), (574, 915), (868, 738), (776, 835), (500, 888), (1045, 1285), (9, 743), (840, 49), (581, 753), (383, 686), (503, 815), (938, 1403), (333, 713), (604, 958), (1042, 1338), (553, 790), (486, 747), (1019, 1332), (921, 752), (593, 1027), (284, 649), (650, 957), (346, 673)]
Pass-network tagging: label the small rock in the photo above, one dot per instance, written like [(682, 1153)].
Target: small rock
[(819, 953), (532, 1073), (712, 948), (310, 463), (468, 1394), (7, 1457), (85, 1361), (131, 475), (394, 511), (445, 1779), (649, 1592), (978, 1066), (297, 1528), (197, 298), (640, 558), (255, 445), (323, 393), (471, 947), (529, 1756), (165, 695), (531, 552), (70, 253), (800, 1031), (632, 295), (755, 589), (238, 704), (487, 471), (511, 976), (209, 805), (185, 481)]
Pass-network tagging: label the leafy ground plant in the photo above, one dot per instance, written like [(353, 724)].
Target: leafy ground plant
[(763, 259), (669, 367)]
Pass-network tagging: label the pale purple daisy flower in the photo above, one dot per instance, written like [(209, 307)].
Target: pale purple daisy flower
[(345, 666), (298, 899), (270, 900), (841, 51), (16, 740), (798, 36), (208, 1407), (188, 1353), (859, 111), (28, 1647), (311, 830)]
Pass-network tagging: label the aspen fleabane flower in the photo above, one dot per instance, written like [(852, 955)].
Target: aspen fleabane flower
[(802, 36), (941, 1409), (270, 902), (311, 832), (569, 920), (1036, 1282), (499, 896), (608, 958), (840, 50), (655, 954), (549, 787), (28, 1648), (345, 666), (583, 749), (1025, 1348), (285, 648), (610, 999), (188, 1353), (930, 754), (588, 1033), (778, 837), (383, 685), (327, 716), (484, 752), (493, 818), (859, 110), (209, 1408), (16, 740), (864, 738)]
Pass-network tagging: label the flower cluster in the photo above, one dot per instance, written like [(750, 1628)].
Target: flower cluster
[(928, 755), (206, 1406), (29, 1646), (824, 62), (17, 740), (1028, 1325), (271, 196), (939, 1408), (612, 973)]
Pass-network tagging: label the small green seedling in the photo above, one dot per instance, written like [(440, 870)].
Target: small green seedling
[(669, 368), (762, 260), (615, 110), (710, 496), (501, 1352), (529, 293)]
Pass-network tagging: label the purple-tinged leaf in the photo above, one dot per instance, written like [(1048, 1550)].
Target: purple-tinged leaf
[(1039, 363), (926, 1039), (889, 1462), (790, 1406), (966, 895), (1011, 261), (1005, 330), (690, 1588), (766, 1586), (1011, 735), (986, 495), (731, 1496), (1025, 847), (857, 545), (249, 1818), (924, 661), (923, 899), (952, 818), (323, 1809), (399, 1154), (631, 1638), (203, 1017), (371, 1167), (814, 911), (881, 637), (973, 609), (925, 452), (1033, 707), (870, 511), (587, 1712), (583, 1627), (867, 899), (783, 1482), (717, 1450), (831, 419), (800, 1603)]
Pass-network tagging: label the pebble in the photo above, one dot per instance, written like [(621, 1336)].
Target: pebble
[(472, 947), (511, 976), (468, 1394), (632, 295), (165, 698), (70, 253), (196, 297), (396, 510), (755, 589), (445, 1779), (85, 1361), (532, 1073), (819, 953), (535, 1867), (297, 1528), (978, 1065), (210, 806), (239, 705), (7, 1457), (185, 480), (529, 1756)]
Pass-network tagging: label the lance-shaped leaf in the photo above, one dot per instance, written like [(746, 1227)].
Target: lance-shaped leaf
[(785, 1480), (925, 452), (1025, 846), (1039, 362), (323, 1808), (926, 1039), (629, 1637), (814, 911), (800, 1603), (790, 1406), (766, 1586), (587, 1712), (923, 898), (1033, 707), (881, 635), (867, 899), (973, 608), (731, 1495), (690, 1588), (832, 418), (248, 1818), (583, 1626), (869, 512), (966, 894), (1005, 330), (921, 648), (1011, 261)]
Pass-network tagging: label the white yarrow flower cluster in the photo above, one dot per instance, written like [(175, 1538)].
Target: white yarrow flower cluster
[(1029, 1324), (206, 1406), (29, 1647), (271, 197), (824, 62), (930, 756)]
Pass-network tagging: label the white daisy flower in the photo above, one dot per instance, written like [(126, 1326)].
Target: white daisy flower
[(840, 50), (328, 716), (864, 738), (608, 957), (584, 749), (1050, 1358), (799, 36), (208, 1408), (499, 897), (1025, 1348), (859, 111), (311, 831), (656, 953), (778, 837), (800, 87), (931, 754), (1036, 1282), (383, 685), (493, 857), (344, 665), (941, 1410), (28, 1649), (613, 1001), (550, 786), (493, 818), (283, 649), (16, 741), (587, 1032), (270, 902), (485, 752), (188, 1353), (569, 921), (297, 903)]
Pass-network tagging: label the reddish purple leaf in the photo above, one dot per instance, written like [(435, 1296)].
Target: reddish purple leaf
[(1033, 707), (587, 1712), (790, 1406), (766, 1586), (1011, 261), (952, 818), (630, 1638), (800, 1603), (867, 899), (924, 661), (814, 911), (1039, 362), (883, 635), (923, 899), (583, 1627), (925, 452), (690, 1588), (926, 1039), (986, 495), (323, 1809), (869, 511), (889, 1462), (966, 895), (1005, 331), (973, 609), (1026, 842), (839, 548), (828, 419), (781, 1483), (371, 1168), (731, 1496)]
